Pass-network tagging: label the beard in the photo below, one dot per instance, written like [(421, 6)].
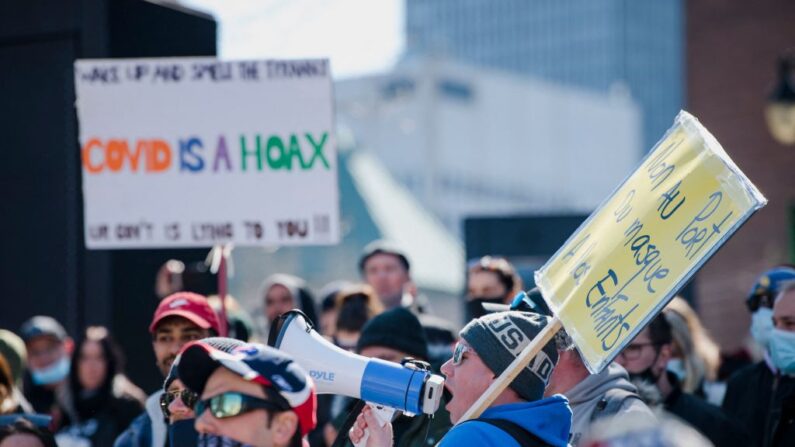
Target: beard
[(165, 364)]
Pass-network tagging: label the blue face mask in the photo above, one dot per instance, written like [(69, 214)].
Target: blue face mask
[(762, 325), (782, 350), (182, 433), (51, 374), (677, 367)]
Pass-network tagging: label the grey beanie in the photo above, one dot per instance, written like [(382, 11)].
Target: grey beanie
[(500, 337)]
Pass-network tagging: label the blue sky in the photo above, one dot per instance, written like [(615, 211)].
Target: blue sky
[(359, 36)]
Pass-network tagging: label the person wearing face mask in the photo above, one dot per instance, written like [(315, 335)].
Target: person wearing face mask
[(762, 396), (490, 280), (760, 304), (646, 360), (46, 380)]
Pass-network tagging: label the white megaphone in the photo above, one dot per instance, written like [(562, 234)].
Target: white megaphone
[(336, 371)]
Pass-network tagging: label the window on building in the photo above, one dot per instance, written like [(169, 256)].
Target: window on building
[(455, 89), (397, 88)]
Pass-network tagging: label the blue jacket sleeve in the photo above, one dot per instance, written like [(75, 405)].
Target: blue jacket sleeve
[(138, 434), (477, 433)]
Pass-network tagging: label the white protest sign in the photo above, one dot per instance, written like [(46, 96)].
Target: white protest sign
[(194, 152)]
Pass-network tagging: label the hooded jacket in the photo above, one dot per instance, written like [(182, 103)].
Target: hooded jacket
[(296, 287), (585, 397), (548, 419), (147, 430)]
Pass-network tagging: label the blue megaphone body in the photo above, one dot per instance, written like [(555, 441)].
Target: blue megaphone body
[(336, 371)]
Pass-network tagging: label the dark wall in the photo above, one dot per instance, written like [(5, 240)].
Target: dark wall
[(142, 29), (527, 241), (518, 235), (45, 267)]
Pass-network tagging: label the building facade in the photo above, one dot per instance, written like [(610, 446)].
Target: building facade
[(470, 141), (596, 44)]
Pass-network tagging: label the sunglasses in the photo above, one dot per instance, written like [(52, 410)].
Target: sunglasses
[(189, 398), (458, 353), (230, 404)]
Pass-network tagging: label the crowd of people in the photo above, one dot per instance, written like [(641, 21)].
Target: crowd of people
[(224, 386)]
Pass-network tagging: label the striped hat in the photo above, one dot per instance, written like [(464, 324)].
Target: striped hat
[(254, 362)]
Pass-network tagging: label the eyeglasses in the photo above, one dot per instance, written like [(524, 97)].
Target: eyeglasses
[(633, 352), (229, 404), (458, 353), (188, 397)]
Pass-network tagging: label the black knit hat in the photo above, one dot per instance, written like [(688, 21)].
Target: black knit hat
[(397, 329), (220, 343), (171, 377)]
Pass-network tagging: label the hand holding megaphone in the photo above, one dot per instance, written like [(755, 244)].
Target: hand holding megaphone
[(373, 424), (336, 371)]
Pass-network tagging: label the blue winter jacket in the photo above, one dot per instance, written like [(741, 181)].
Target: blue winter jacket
[(548, 419)]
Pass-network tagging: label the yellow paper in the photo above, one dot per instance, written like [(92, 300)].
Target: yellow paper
[(646, 240)]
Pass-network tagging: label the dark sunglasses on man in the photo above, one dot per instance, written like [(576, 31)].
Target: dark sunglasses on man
[(189, 398), (230, 404)]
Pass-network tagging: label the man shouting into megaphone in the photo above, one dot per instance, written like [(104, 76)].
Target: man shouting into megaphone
[(520, 415)]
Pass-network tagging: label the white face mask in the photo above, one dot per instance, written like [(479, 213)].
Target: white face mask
[(782, 350), (762, 325)]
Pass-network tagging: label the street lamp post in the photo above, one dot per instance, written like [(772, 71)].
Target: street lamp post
[(780, 109)]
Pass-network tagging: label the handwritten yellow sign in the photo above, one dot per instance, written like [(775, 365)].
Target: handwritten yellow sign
[(624, 263)]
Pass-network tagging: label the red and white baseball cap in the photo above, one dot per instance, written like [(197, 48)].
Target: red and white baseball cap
[(253, 362), (188, 305)]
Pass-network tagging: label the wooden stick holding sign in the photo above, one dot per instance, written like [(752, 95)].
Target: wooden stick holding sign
[(513, 370), (634, 252)]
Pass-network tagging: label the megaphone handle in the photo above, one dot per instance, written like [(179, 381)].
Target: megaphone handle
[(382, 414)]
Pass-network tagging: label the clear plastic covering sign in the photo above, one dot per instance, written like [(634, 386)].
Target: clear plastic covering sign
[(194, 152), (629, 258)]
